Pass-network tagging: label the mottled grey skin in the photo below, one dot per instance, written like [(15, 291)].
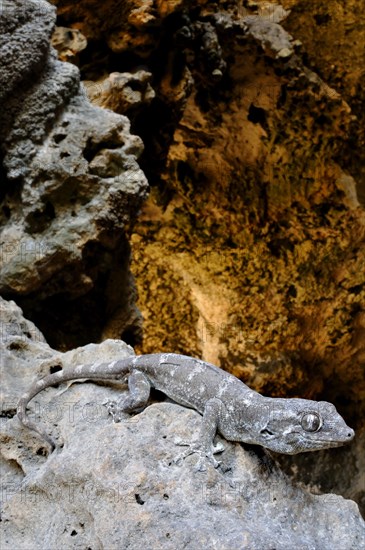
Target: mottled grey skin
[(288, 426)]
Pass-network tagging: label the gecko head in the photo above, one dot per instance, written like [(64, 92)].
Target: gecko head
[(300, 425)]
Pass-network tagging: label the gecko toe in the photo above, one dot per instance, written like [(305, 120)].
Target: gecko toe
[(200, 466), (110, 405), (218, 448), (181, 442), (114, 410), (179, 459), (203, 460)]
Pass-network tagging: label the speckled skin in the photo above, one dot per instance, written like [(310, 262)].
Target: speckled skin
[(228, 406)]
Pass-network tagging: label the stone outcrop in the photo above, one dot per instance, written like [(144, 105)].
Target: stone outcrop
[(123, 93), (71, 189), (117, 486), (258, 234)]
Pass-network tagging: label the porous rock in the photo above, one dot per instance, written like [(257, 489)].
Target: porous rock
[(254, 242), (333, 39), (68, 42), (71, 189), (121, 92), (117, 485)]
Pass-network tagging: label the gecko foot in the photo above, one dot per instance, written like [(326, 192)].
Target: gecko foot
[(114, 410), (218, 448), (203, 454)]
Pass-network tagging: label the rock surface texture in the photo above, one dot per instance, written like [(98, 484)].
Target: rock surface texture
[(116, 485), (71, 188), (333, 38)]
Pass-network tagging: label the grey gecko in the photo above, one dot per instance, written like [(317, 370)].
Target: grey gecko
[(288, 426)]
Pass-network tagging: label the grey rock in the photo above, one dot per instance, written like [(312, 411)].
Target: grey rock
[(270, 34), (116, 485), (25, 355), (272, 11), (71, 188), (264, 29), (20, 342), (121, 92)]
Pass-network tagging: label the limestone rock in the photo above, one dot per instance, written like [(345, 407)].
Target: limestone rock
[(121, 92), (117, 485), (20, 342), (25, 355), (255, 227), (128, 25), (250, 251), (71, 189), (270, 34), (68, 42)]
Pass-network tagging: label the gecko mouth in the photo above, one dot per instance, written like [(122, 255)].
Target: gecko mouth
[(333, 442), (343, 436), (322, 440)]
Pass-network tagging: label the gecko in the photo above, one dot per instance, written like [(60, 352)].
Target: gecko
[(227, 405)]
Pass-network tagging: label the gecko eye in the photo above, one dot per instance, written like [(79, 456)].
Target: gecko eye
[(311, 422)]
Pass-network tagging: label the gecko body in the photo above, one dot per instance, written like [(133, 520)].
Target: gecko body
[(228, 406)]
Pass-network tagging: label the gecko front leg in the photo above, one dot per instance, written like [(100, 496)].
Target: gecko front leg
[(204, 446)]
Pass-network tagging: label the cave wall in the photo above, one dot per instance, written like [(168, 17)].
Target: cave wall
[(333, 39)]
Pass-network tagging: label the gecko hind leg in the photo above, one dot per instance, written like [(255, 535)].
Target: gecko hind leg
[(137, 397)]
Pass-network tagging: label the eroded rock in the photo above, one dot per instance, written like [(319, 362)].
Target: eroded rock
[(116, 485), (68, 42), (70, 192), (250, 249), (257, 232), (250, 252), (333, 38), (121, 92)]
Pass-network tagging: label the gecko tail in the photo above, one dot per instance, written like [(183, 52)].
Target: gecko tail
[(25, 421), (37, 387), (93, 371)]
